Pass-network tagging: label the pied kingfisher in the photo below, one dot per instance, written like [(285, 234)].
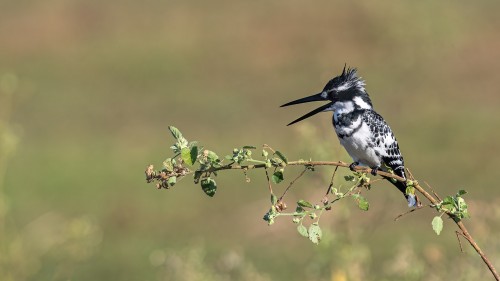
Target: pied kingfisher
[(362, 131)]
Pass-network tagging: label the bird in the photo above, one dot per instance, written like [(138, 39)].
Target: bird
[(363, 132)]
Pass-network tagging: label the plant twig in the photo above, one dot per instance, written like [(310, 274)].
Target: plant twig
[(435, 194), (406, 213), (458, 238), (331, 181), (292, 182), (433, 200), (465, 232), (269, 182)]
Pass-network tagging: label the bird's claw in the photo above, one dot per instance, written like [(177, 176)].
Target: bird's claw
[(353, 165)]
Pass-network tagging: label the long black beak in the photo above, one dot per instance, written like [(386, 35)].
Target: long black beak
[(312, 98)]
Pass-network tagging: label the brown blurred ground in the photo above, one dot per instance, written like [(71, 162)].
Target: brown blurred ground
[(95, 84)]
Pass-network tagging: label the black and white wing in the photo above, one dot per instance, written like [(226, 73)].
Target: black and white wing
[(386, 145)]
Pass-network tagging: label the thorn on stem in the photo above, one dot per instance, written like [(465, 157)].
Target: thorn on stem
[(459, 242), (419, 206), (435, 194)]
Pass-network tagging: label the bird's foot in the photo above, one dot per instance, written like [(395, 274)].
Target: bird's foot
[(353, 165), (374, 171)]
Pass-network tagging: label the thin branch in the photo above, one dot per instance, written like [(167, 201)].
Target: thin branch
[(435, 194), (265, 146), (458, 238), (375, 180), (473, 243), (269, 182), (465, 232), (406, 213), (292, 182), (150, 176), (331, 182)]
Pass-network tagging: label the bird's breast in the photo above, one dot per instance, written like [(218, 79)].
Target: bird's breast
[(346, 124), (356, 139)]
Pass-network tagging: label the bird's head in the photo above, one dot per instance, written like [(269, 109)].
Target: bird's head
[(345, 92)]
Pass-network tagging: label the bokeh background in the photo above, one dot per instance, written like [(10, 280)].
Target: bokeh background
[(88, 88)]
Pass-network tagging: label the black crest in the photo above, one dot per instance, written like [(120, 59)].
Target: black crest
[(349, 76)]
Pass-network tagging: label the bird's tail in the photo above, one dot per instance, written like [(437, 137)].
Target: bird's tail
[(400, 185), (399, 171)]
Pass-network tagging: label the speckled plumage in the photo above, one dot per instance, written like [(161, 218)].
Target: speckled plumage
[(361, 131), (369, 140)]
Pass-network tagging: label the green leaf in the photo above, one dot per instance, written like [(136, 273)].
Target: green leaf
[(465, 214), (175, 132), (169, 166), (189, 155), (448, 200), (304, 203), (186, 155), (249, 147), (448, 203), (299, 211), (315, 233), (461, 202), (274, 199), (277, 177), (302, 230), (193, 143), (410, 190), (264, 153), (209, 186), (462, 208), (197, 176), (281, 156), (437, 224), (194, 154), (271, 215), (211, 156), (172, 181), (349, 178), (461, 192), (362, 202)]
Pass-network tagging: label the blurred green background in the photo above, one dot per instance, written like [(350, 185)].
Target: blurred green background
[(88, 88)]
